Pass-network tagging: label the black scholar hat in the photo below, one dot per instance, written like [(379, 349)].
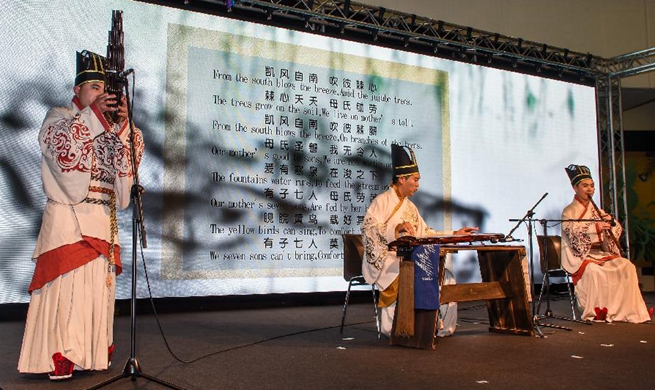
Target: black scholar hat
[(404, 164), (577, 173), (90, 68)]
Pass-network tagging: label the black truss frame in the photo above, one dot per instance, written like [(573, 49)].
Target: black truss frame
[(375, 25)]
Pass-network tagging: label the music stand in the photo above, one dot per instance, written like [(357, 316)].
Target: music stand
[(549, 312), (132, 367)]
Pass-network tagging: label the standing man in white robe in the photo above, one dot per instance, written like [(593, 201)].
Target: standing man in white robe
[(390, 216), (606, 284), (86, 169)]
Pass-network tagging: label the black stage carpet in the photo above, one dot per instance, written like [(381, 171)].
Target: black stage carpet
[(300, 348)]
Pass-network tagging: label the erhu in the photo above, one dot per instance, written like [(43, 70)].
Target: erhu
[(612, 222), (115, 83)]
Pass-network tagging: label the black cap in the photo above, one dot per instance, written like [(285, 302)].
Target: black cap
[(404, 164), (90, 68), (577, 173)]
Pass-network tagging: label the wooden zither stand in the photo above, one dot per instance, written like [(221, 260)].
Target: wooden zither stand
[(503, 289)]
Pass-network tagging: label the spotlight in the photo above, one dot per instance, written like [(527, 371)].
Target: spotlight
[(440, 28)]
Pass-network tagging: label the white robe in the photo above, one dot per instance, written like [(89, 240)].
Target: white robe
[(603, 278), (84, 160), (381, 266)]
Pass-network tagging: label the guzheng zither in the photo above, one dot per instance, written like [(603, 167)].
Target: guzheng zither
[(405, 244)]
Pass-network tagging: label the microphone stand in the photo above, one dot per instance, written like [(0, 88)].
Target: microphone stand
[(528, 217), (132, 367)]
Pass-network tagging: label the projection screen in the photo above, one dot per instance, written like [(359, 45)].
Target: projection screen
[(264, 145)]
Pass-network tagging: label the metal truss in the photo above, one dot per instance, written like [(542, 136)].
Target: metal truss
[(385, 27), (610, 130), (612, 161), (466, 43), (630, 64)]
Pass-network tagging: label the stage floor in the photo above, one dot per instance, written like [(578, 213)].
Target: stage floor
[(301, 348)]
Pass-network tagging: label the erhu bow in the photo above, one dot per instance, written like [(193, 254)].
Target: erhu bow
[(115, 83)]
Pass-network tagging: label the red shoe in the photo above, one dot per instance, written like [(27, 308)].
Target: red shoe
[(601, 314), (63, 368), (111, 353), (650, 312)]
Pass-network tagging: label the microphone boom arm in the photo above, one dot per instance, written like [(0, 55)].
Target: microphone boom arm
[(527, 215)]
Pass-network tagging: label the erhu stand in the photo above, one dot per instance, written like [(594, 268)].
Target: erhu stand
[(132, 367)]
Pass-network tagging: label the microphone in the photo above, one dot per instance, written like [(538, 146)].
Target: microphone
[(122, 74), (125, 73)]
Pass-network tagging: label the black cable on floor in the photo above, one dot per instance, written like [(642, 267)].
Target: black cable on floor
[(161, 330)]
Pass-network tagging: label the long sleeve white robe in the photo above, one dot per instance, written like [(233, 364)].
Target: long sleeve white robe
[(603, 279), (381, 266), (84, 160)]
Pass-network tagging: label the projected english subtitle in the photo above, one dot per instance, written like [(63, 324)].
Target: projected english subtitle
[(216, 151), (402, 122), (241, 179), (241, 204), (240, 103), (314, 111)]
